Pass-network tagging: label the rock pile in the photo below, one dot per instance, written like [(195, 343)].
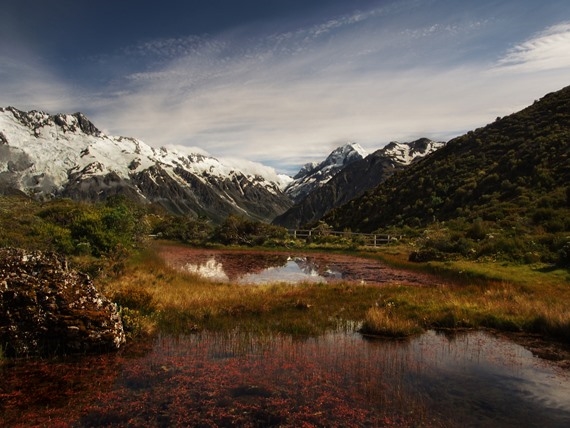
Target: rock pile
[(48, 309)]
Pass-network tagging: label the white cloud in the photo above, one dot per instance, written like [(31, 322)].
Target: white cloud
[(255, 168), (187, 150), (548, 50)]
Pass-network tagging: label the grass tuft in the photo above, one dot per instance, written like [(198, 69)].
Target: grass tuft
[(382, 322)]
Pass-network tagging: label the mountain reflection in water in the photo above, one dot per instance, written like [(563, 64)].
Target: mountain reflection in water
[(256, 267), (286, 269)]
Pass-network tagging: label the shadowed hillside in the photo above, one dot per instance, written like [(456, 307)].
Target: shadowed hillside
[(513, 174)]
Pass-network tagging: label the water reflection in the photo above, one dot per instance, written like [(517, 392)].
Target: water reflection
[(249, 267), (244, 379), (277, 269), (486, 381)]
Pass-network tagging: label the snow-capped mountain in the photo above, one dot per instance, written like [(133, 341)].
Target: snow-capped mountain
[(354, 179), (406, 153), (66, 155), (314, 175)]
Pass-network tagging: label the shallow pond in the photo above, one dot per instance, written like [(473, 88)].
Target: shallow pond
[(339, 379), (256, 267)]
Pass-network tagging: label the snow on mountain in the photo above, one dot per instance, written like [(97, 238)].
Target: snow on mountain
[(354, 179), (406, 153), (66, 155), (314, 175), (306, 170)]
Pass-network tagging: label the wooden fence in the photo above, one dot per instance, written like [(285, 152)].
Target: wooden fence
[(368, 239)]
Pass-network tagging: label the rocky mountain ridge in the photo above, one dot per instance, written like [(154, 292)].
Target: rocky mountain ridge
[(353, 179), (67, 156), (316, 174)]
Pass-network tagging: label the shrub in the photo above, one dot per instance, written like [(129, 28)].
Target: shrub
[(196, 231), (564, 255), (240, 231), (426, 255), (478, 230), (505, 247)]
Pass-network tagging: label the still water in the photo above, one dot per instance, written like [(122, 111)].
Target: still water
[(251, 267), (245, 379), (292, 269), (339, 379)]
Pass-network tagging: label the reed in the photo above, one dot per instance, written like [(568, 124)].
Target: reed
[(381, 322)]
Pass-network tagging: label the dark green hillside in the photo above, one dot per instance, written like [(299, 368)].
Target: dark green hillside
[(513, 174)]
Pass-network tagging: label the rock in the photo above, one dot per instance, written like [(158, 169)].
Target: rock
[(48, 309)]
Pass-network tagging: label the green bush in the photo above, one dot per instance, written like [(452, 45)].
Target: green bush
[(196, 231), (505, 248), (478, 230), (240, 231), (71, 228), (564, 255)]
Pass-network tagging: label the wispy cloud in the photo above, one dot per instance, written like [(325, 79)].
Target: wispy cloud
[(29, 83), (547, 50), (296, 104), (167, 48), (289, 97)]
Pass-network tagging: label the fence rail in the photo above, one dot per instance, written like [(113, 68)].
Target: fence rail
[(369, 239)]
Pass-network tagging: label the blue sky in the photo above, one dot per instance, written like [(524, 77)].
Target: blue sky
[(282, 82)]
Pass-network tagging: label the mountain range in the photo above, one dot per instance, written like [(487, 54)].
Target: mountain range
[(314, 175), (48, 156), (513, 172), (499, 191), (348, 172), (66, 155)]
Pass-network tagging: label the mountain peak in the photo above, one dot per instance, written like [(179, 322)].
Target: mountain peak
[(38, 120), (314, 175), (353, 179), (345, 154)]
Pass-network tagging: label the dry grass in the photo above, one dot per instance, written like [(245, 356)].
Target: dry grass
[(180, 302), (380, 321), (177, 302), (499, 305)]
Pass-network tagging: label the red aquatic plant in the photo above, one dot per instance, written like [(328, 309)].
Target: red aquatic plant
[(205, 380)]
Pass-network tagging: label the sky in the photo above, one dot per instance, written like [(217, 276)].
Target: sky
[(282, 82)]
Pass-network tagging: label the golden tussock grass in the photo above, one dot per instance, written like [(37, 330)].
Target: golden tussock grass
[(179, 302), (173, 301)]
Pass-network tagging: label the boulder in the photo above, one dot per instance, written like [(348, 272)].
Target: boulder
[(48, 309)]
